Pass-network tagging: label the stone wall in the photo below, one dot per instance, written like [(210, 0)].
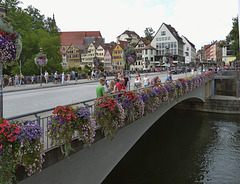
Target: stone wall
[(218, 104), (225, 87)]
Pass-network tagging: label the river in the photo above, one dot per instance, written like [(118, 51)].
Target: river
[(184, 147)]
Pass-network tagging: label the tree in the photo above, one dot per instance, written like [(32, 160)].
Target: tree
[(36, 32), (233, 38), (149, 33), (9, 3)]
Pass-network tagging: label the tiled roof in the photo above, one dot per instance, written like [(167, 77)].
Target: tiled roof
[(189, 42), (149, 47), (129, 33), (123, 44), (77, 37), (174, 32)]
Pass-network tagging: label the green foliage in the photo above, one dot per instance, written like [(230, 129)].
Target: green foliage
[(36, 32), (149, 33), (233, 38)]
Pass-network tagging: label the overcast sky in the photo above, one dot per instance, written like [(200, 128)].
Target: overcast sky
[(201, 21)]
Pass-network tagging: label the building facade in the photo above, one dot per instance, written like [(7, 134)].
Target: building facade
[(167, 40), (189, 51), (148, 55), (138, 65), (117, 58), (108, 61)]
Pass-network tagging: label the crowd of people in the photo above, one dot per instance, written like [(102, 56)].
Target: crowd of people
[(121, 84)]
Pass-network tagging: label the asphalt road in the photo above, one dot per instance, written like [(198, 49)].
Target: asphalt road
[(26, 101)]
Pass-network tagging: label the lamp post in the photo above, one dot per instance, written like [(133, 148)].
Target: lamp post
[(41, 60)]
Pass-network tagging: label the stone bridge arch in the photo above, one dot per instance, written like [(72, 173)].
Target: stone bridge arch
[(92, 164)]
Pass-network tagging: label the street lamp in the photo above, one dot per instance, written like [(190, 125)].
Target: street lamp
[(41, 60)]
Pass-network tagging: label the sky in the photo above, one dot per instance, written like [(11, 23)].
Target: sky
[(200, 21)]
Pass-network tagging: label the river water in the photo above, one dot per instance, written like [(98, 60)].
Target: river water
[(184, 147)]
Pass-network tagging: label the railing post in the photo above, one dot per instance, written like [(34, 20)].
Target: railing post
[(213, 87), (237, 90), (38, 119)]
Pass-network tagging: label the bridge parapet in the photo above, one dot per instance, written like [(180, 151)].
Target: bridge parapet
[(167, 94)]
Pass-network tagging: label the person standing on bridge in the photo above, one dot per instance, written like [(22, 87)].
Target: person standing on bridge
[(154, 80), (100, 90), (169, 77)]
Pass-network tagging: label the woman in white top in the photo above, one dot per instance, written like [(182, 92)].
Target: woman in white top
[(137, 83), (145, 81)]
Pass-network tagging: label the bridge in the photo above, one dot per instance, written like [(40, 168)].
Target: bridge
[(91, 164)]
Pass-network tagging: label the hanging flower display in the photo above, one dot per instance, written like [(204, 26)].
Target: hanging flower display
[(20, 145), (10, 43), (85, 125), (96, 62), (60, 128), (41, 59), (129, 55), (132, 105), (109, 115)]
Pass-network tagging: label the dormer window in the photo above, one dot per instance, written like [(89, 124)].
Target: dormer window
[(163, 33)]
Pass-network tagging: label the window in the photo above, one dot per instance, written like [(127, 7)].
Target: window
[(151, 52), (175, 44), (151, 58), (187, 48), (157, 39), (160, 39), (169, 38), (166, 38), (146, 51), (163, 33)]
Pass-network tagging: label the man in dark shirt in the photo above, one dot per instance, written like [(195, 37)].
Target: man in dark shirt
[(126, 80)]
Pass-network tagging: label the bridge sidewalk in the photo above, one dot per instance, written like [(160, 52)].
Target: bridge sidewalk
[(7, 89)]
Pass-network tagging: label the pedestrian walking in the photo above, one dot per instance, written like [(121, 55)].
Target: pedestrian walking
[(16, 81), (76, 76), (22, 79), (55, 79), (46, 75), (89, 75), (63, 78), (68, 77), (10, 81)]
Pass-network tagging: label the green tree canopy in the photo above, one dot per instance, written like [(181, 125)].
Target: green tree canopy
[(233, 38), (36, 32), (149, 33)]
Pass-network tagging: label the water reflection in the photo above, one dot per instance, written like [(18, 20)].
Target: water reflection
[(184, 147)]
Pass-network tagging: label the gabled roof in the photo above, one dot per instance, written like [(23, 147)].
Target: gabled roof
[(172, 30), (149, 47), (189, 42), (110, 46), (123, 44), (129, 33), (144, 40), (77, 37)]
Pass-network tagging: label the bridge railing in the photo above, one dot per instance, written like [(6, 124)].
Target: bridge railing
[(42, 117), (227, 75)]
